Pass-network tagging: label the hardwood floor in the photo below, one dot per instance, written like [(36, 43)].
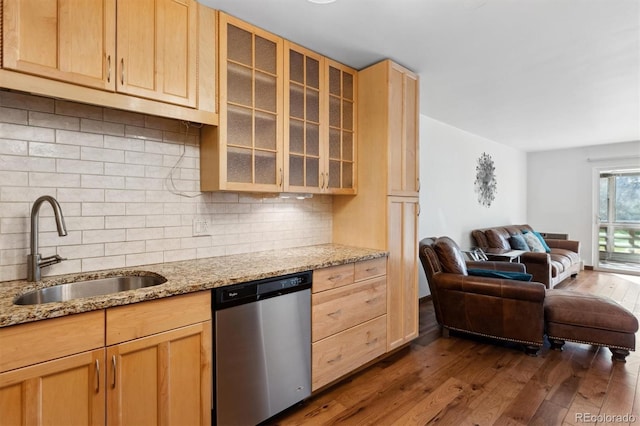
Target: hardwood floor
[(462, 380)]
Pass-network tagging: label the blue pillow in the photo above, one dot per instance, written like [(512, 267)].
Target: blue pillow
[(508, 275), (517, 242), (542, 241)]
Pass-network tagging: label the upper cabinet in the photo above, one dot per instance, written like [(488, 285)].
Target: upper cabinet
[(140, 54), (245, 152), (342, 84), (287, 117), (64, 40), (306, 168), (156, 49), (403, 119)]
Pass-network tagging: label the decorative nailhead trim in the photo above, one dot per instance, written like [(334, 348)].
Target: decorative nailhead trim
[(591, 343), (496, 337)]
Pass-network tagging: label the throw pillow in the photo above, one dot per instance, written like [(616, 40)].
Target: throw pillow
[(533, 242), (520, 276), (542, 241), (517, 242)]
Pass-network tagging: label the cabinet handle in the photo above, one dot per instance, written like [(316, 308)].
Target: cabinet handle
[(113, 378), (334, 360), (372, 342), (334, 314), (281, 177), (122, 71), (372, 269), (322, 184), (109, 69), (334, 277), (418, 181), (97, 376), (419, 209), (370, 301)]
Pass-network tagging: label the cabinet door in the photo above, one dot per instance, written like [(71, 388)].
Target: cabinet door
[(67, 40), (161, 379), (402, 271), (247, 147), (66, 391), (342, 84), (304, 112), (157, 49), (404, 176)]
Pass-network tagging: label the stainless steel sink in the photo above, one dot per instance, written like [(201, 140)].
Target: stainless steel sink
[(88, 288)]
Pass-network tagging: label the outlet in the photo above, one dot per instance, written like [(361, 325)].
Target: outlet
[(200, 227)]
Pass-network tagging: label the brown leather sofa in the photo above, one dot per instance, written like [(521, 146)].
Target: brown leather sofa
[(548, 268), (499, 308)]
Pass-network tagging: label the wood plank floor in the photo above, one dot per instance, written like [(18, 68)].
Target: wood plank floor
[(464, 380)]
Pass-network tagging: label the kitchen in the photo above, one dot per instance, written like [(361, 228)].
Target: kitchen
[(128, 177)]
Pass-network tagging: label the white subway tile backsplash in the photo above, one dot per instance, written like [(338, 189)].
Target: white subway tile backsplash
[(54, 179), (108, 169), (54, 150), (14, 116), (103, 236), (33, 164), (79, 138), (102, 154), (13, 147), (25, 132), (144, 258)]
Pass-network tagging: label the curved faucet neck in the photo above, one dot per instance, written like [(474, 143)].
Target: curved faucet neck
[(33, 273)]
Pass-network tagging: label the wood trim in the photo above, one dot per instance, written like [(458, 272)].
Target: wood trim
[(40, 341), (143, 319), (58, 89)]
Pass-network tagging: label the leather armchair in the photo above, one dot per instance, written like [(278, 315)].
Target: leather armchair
[(498, 308)]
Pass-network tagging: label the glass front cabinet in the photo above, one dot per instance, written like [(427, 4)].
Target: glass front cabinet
[(287, 117)]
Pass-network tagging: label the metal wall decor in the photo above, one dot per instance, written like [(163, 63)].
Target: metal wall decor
[(485, 183)]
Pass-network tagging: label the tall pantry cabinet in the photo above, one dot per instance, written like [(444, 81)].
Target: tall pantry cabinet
[(384, 215)]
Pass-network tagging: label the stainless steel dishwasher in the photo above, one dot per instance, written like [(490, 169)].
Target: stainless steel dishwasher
[(262, 338)]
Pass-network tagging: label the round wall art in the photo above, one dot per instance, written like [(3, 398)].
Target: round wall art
[(485, 180)]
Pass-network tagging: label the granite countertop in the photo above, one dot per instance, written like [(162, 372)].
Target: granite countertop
[(182, 277)]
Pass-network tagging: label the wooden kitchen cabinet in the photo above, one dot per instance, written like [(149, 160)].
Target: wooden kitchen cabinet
[(348, 318), (287, 117), (68, 40), (157, 49), (306, 165), (159, 363), (150, 56), (245, 153), (384, 214), (342, 82), (128, 365), (52, 371), (402, 273)]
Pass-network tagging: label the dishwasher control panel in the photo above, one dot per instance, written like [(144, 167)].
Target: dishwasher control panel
[(233, 295)]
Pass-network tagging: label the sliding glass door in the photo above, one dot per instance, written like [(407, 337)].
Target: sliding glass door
[(619, 220)]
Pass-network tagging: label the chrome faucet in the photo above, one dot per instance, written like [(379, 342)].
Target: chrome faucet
[(34, 262)]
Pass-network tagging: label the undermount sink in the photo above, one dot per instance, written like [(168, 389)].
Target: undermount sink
[(88, 288)]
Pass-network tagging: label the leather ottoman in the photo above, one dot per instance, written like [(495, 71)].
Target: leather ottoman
[(586, 318)]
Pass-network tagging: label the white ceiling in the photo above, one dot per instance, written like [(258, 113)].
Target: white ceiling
[(531, 74)]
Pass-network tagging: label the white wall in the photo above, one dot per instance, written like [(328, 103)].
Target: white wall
[(449, 204), (108, 170), (561, 189)]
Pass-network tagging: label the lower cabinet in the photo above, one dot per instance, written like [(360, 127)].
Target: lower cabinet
[(349, 321), (145, 363)]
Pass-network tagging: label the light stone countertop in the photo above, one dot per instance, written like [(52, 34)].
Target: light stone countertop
[(182, 277)]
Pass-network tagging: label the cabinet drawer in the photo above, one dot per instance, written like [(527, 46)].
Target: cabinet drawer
[(143, 319), (335, 276), (39, 341), (342, 353), (370, 268), (344, 307)]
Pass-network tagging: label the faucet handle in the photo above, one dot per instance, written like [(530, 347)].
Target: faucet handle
[(50, 260)]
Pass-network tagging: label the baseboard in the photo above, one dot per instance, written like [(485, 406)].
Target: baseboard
[(588, 268)]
